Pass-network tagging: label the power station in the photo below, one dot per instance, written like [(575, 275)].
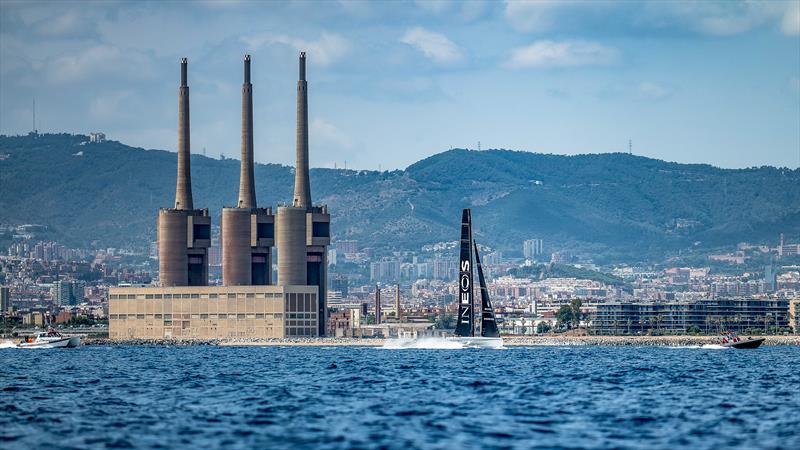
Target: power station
[(249, 304)]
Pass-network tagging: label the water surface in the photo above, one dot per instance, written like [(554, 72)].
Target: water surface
[(326, 397)]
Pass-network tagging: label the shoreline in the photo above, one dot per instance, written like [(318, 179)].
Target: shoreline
[(509, 341)]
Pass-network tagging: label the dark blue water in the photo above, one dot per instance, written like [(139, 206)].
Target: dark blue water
[(212, 397)]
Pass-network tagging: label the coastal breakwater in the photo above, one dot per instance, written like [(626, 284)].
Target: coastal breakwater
[(509, 341)]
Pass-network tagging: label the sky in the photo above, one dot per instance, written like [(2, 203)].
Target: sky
[(391, 83)]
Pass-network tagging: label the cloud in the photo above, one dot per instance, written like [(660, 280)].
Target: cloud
[(533, 16), (791, 19), (100, 60), (710, 17), (109, 106), (436, 47), (642, 91), (647, 90), (328, 49), (550, 54), (328, 134)]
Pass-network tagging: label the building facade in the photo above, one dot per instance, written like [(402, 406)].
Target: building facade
[(708, 316), (213, 312)]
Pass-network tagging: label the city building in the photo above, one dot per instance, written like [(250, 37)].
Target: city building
[(5, 299), (707, 316), (532, 248), (97, 137), (794, 315)]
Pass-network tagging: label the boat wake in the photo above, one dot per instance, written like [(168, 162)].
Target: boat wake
[(7, 344), (704, 346), (422, 343)]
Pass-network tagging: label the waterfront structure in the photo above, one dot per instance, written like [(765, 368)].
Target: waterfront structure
[(184, 233), (248, 232), (184, 306), (213, 312), (5, 299), (708, 316)]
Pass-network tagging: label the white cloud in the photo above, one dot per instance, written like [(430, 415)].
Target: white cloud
[(328, 49), (530, 16), (328, 134), (99, 60), (548, 54), (647, 90), (712, 17), (791, 19), (436, 47), (109, 106)]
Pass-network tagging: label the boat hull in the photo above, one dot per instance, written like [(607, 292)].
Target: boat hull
[(60, 343), (750, 343), (478, 341)]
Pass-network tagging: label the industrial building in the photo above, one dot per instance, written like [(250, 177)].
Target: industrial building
[(250, 304)]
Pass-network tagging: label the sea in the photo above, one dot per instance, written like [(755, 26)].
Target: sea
[(392, 398)]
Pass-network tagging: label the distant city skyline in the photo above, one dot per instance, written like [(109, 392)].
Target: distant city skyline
[(392, 83)]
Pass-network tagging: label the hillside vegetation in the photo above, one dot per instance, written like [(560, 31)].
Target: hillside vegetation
[(608, 206)]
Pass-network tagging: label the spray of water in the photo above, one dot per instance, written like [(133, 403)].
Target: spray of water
[(424, 342)]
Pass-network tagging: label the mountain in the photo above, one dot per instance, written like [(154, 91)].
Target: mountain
[(607, 207)]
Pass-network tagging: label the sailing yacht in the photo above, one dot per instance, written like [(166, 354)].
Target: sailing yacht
[(465, 328)]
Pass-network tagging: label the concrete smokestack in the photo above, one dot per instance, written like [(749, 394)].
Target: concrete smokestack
[(377, 305), (398, 312), (302, 186), (247, 188), (183, 190), (290, 224)]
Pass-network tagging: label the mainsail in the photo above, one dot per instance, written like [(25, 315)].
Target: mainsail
[(465, 325), (488, 324)]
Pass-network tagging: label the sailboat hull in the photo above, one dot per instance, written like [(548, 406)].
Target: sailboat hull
[(477, 341)]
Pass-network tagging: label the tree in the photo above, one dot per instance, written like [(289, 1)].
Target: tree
[(577, 315), (543, 327), (565, 316)]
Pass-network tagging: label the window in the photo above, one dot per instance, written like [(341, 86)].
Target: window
[(321, 229)]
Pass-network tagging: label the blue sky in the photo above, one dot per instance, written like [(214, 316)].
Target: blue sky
[(393, 82)]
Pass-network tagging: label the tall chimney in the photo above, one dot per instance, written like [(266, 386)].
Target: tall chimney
[(377, 304), (183, 190), (398, 313), (247, 189), (302, 186)]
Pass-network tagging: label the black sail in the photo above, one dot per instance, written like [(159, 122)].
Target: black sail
[(464, 326), (488, 324)]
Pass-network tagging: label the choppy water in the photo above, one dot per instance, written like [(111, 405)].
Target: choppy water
[(213, 397)]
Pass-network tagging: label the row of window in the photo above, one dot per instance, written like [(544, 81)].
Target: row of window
[(168, 296), (197, 316)]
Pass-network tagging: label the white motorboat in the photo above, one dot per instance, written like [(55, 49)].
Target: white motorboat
[(50, 339)]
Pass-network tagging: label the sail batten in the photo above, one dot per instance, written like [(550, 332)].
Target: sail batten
[(488, 323), (465, 324)]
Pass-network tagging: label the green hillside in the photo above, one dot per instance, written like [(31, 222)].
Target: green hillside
[(608, 207)]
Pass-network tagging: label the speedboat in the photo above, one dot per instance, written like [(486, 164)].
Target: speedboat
[(50, 339), (736, 342)]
